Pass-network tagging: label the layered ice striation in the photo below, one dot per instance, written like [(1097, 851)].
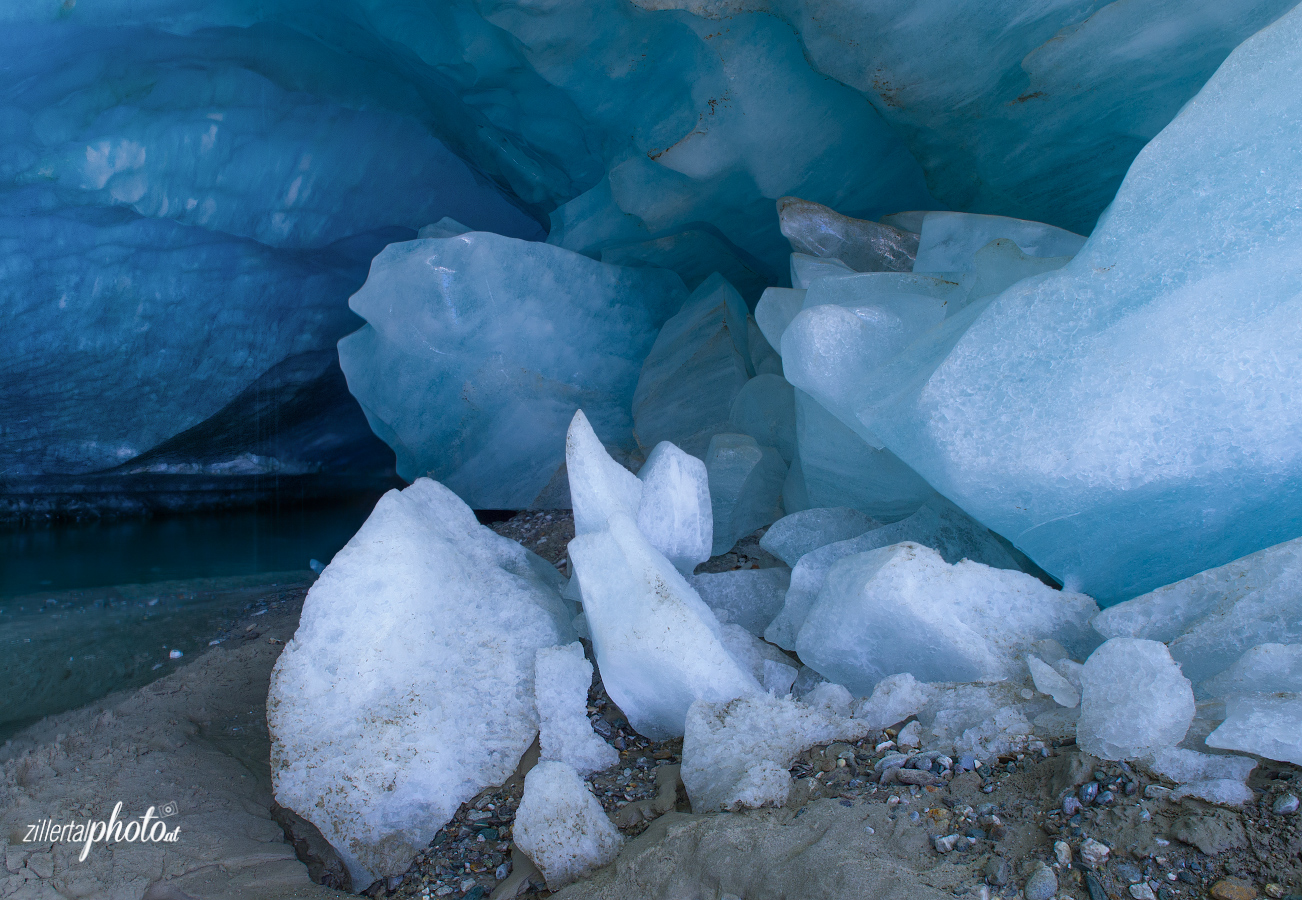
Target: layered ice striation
[(1210, 620), (1127, 430), (469, 365), (1134, 700), (562, 677), (902, 608), (696, 368), (561, 826), (939, 526), (409, 685), (736, 754)]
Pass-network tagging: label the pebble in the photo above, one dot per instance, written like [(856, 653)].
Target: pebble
[(1157, 792), (502, 871), (1142, 892), (1284, 804), (1095, 889), (944, 844), (1233, 889), (1128, 873), (997, 871), (1070, 806), (1092, 853), (1105, 798), (1062, 853), (1274, 891), (1088, 791), (1042, 885)]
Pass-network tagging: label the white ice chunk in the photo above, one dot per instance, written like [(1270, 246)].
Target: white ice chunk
[(745, 487), (1222, 791), (950, 240), (1048, 681), (561, 682), (1265, 669), (832, 697), (561, 826), (1071, 670), (725, 742), (894, 699), (983, 719), (791, 537), (767, 664), (746, 597), (674, 512), (1212, 618), (1268, 725), (779, 678), (599, 486), (1183, 766), (409, 685), (904, 609), (1134, 700), (938, 525), (658, 645)]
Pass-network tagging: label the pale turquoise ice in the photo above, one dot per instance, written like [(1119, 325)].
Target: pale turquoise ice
[(469, 369), (796, 534), (695, 369), (949, 240), (1128, 420), (805, 269), (746, 597), (765, 408), (745, 487), (674, 511)]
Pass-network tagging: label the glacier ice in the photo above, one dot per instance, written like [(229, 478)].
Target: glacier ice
[(770, 667), (949, 241), (674, 510), (746, 597), (695, 369), (1126, 430), (658, 646), (1221, 791), (775, 310), (1265, 669), (1048, 681), (1134, 700), (736, 754), (1211, 619), (806, 269), (1268, 725), (561, 826), (1183, 766), (467, 367), (562, 677), (817, 230), (745, 487), (938, 525), (765, 408), (791, 537), (894, 699), (373, 743), (599, 486), (902, 608)]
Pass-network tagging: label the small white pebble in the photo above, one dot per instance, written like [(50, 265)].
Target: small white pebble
[(175, 654)]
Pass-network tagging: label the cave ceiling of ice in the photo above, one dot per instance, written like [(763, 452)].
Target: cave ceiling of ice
[(191, 192)]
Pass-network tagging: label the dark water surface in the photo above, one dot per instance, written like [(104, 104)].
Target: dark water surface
[(87, 609)]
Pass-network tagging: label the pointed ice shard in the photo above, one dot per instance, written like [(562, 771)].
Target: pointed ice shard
[(775, 310), (674, 513), (658, 645), (1268, 725), (599, 486)]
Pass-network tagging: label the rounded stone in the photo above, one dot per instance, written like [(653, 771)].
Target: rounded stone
[(1233, 889), (1042, 885)]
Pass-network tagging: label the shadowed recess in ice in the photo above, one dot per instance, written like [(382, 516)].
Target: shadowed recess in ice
[(1120, 420)]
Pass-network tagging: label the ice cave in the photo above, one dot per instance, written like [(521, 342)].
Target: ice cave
[(651, 449)]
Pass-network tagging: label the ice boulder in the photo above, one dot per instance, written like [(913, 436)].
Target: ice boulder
[(658, 646), (894, 699), (1268, 725), (562, 677), (1211, 619), (479, 348), (694, 371), (765, 408), (982, 719), (746, 597), (862, 245), (1265, 669), (938, 525), (409, 685), (774, 670), (902, 608), (1183, 766), (737, 754), (745, 487), (791, 537), (1134, 700), (1126, 431), (561, 827), (674, 511)]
